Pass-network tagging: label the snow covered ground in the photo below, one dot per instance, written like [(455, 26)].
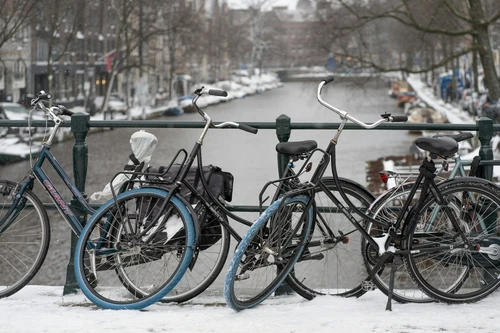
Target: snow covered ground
[(454, 114), (42, 309)]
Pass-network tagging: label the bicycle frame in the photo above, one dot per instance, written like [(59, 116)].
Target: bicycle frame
[(458, 168), (61, 205), (38, 173)]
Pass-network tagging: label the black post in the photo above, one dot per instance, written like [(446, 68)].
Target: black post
[(79, 127), (283, 131), (485, 133)]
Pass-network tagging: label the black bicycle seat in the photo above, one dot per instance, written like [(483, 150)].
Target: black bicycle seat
[(443, 146), (457, 137), (297, 147)]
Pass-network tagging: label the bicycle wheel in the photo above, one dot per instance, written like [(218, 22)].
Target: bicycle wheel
[(116, 267), (387, 208), (332, 263), (207, 263), (24, 238), (268, 252), (439, 262)]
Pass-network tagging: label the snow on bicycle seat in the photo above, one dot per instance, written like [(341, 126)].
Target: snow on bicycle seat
[(296, 147), (444, 146)]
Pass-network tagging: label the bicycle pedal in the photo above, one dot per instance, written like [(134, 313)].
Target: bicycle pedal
[(318, 256), (92, 280), (241, 277), (368, 286)]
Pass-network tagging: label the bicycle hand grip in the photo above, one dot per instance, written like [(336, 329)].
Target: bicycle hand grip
[(399, 119), (65, 111), (248, 129), (216, 92), (42, 96), (328, 79)]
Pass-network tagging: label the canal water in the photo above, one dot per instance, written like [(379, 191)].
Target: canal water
[(252, 159)]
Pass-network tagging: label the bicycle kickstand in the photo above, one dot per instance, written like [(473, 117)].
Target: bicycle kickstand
[(395, 264)]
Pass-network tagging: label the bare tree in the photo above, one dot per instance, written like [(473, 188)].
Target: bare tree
[(256, 34), (462, 24), (55, 28), (13, 15)]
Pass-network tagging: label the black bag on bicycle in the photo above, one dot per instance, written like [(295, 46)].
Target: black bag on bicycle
[(220, 184)]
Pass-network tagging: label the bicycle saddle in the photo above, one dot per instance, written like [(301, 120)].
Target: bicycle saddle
[(297, 147), (443, 146), (457, 137)]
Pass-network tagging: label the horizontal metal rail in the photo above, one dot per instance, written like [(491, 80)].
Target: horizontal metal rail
[(259, 125)]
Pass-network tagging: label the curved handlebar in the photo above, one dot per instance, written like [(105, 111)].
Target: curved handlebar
[(52, 112), (217, 92), (344, 115)]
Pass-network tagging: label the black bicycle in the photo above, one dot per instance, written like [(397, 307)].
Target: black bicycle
[(195, 184), (446, 251)]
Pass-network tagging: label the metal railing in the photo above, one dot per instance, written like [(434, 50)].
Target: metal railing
[(81, 123)]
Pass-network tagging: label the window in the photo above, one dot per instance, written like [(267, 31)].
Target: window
[(19, 69)]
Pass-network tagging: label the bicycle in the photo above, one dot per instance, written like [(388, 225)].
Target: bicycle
[(454, 208), (208, 261), (387, 207), (25, 227)]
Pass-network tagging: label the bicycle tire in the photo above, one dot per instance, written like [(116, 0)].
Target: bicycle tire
[(261, 255), (118, 270), (472, 201), (320, 271), (21, 260), (205, 268)]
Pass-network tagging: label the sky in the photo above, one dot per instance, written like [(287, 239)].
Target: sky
[(244, 3), (38, 309)]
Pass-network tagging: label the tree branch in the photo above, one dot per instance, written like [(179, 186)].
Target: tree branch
[(456, 12), (371, 64)]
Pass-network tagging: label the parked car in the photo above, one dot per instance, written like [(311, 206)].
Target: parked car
[(115, 103), (15, 111)]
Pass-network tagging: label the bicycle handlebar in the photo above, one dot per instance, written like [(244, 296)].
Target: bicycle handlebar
[(52, 112), (42, 96), (216, 92), (343, 114)]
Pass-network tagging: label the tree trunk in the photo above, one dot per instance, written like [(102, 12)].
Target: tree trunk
[(484, 50), (475, 72)]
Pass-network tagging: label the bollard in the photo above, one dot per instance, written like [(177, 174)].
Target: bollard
[(79, 127), (485, 134)]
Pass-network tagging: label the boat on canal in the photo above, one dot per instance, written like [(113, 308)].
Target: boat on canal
[(15, 148)]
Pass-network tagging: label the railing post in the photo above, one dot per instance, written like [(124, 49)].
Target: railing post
[(283, 131), (485, 133), (79, 127)]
